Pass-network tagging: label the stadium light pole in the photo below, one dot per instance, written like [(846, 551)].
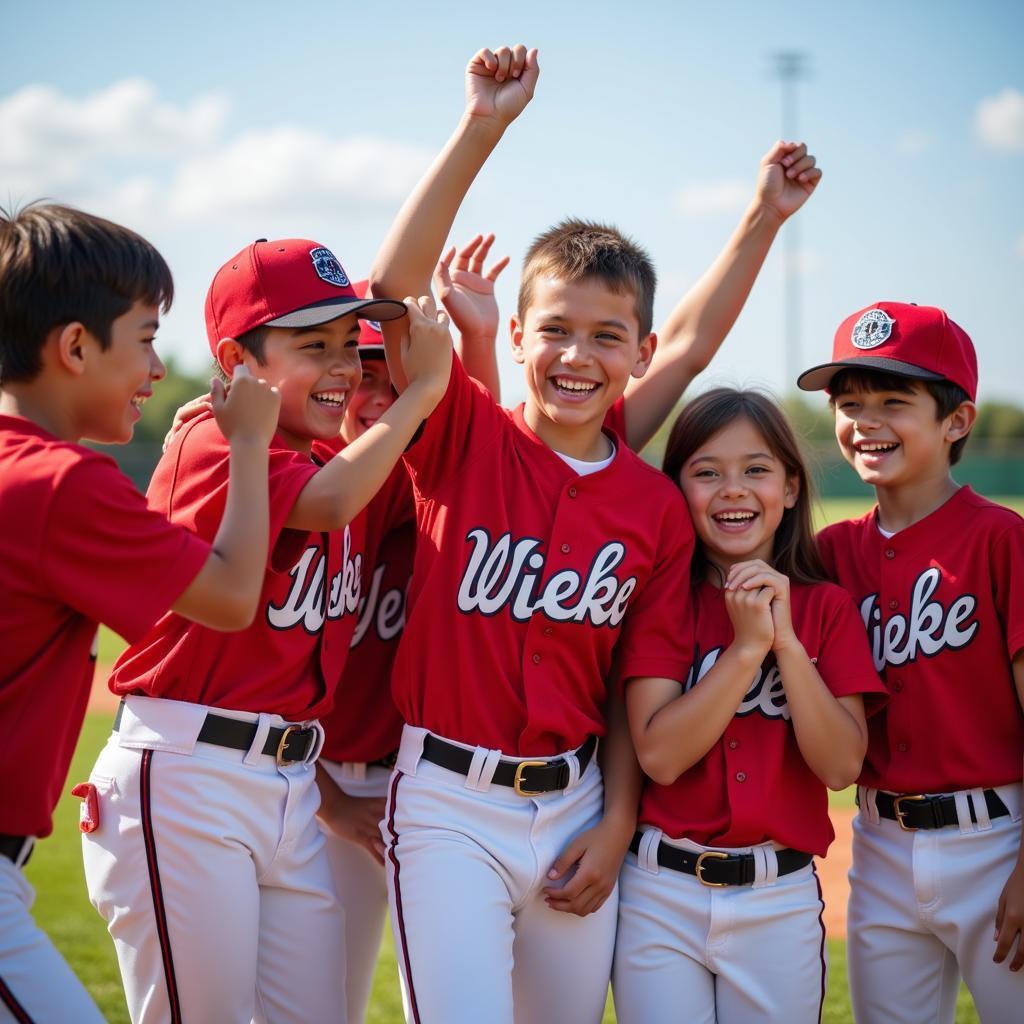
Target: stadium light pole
[(790, 67)]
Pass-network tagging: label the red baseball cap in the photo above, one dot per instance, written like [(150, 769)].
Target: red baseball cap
[(908, 340), (290, 282), (371, 341)]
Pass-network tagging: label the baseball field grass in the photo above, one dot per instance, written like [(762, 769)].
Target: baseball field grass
[(63, 910)]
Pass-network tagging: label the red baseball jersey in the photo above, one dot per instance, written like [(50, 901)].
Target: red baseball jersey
[(289, 660), (365, 724), (615, 417), (943, 605), (529, 577), (78, 546), (753, 785)]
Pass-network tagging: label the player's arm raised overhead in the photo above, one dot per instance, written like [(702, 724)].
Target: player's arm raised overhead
[(698, 325), (1010, 909), (346, 484), (499, 85), (467, 294), (226, 590)]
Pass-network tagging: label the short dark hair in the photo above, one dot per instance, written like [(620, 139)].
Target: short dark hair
[(794, 551), (59, 265), (254, 342), (576, 250), (948, 396)]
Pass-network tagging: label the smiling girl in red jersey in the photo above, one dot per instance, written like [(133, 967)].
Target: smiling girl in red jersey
[(720, 906)]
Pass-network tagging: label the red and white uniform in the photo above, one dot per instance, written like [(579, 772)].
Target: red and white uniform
[(221, 845), (362, 732), (529, 580), (741, 953), (944, 612), (80, 547)]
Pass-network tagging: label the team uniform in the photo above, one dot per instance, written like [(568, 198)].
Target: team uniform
[(362, 732), (528, 578), (206, 839), (58, 580), (944, 611), (738, 937)]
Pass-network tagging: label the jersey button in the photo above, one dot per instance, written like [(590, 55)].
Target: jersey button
[(897, 685), (536, 659), (902, 747), (733, 744), (572, 492), (566, 549), (889, 553), (741, 776), (548, 631), (894, 604)]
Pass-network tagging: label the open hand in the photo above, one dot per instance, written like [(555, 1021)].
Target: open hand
[(466, 292)]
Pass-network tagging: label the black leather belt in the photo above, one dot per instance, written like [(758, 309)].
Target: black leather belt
[(12, 848), (913, 812), (288, 745), (716, 868), (527, 777)]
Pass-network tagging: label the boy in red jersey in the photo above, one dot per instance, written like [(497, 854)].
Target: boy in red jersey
[(207, 783), (80, 299), (935, 570)]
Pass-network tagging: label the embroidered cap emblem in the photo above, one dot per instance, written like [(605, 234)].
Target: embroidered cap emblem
[(873, 328), (327, 267), (374, 324)]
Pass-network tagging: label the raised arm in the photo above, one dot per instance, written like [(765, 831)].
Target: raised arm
[(467, 294), (499, 85), (704, 316)]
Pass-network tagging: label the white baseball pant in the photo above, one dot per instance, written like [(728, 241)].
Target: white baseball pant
[(210, 870), (467, 862), (35, 982), (361, 887), (922, 913), (690, 954)]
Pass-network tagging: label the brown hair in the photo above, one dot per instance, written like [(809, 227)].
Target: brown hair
[(59, 265), (579, 249), (948, 396), (794, 552)]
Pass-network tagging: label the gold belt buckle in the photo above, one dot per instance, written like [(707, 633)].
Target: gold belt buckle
[(899, 812), (279, 756), (517, 782), (699, 868)]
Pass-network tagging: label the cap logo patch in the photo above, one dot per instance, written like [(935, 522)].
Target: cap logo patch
[(327, 267), (374, 324), (873, 328)]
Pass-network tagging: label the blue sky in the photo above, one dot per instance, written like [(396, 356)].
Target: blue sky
[(208, 125)]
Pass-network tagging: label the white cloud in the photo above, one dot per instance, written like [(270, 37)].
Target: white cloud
[(289, 169), (702, 199), (999, 120), (127, 154), (913, 142)]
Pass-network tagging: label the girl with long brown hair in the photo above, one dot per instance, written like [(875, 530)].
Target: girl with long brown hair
[(720, 907)]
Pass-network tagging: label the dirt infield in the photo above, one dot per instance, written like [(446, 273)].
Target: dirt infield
[(832, 870)]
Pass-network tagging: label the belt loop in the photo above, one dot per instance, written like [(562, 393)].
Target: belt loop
[(26, 851), (254, 755), (318, 746), (410, 750), (573, 763), (766, 867), (866, 799), (647, 854), (481, 769), (963, 800)]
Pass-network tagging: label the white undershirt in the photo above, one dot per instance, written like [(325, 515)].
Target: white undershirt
[(586, 468)]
